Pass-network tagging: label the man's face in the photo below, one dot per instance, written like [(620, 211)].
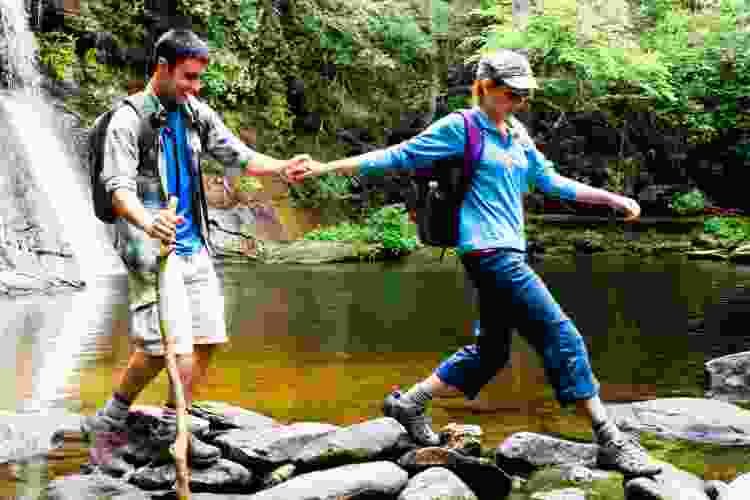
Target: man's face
[(183, 81)]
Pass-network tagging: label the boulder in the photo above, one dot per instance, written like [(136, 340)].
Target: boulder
[(356, 443), (223, 476), (92, 487), (693, 419), (728, 377), (670, 484), (525, 451), (270, 447), (485, 479), (436, 483), (462, 438), (222, 416), (371, 480)]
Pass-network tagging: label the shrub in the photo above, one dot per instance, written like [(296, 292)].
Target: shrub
[(728, 228), (689, 203), (388, 228)]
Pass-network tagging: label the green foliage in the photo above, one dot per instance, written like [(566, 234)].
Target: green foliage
[(214, 80), (57, 51), (248, 16), (339, 43), (388, 228), (689, 203), (216, 29), (680, 59), (319, 191), (401, 35), (728, 228)]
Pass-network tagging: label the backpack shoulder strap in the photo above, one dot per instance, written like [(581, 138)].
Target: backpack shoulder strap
[(474, 144), (148, 129)]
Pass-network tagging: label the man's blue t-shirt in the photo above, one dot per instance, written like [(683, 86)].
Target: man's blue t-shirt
[(174, 137)]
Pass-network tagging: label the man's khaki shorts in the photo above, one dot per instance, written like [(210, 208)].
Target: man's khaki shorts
[(206, 305)]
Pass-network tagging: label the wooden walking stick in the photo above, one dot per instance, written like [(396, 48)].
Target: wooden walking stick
[(173, 312)]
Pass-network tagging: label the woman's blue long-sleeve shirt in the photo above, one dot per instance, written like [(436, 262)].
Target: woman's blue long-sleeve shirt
[(492, 211)]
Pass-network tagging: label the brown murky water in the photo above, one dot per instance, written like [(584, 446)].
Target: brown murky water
[(326, 343)]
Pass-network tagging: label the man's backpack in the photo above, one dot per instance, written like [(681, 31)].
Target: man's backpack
[(97, 135), (441, 189)]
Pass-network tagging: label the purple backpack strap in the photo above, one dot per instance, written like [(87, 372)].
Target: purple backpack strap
[(474, 143)]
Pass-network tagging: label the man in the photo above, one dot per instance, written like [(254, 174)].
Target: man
[(140, 185), (492, 249)]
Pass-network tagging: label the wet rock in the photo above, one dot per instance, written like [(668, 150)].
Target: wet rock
[(693, 419), (223, 476), (670, 484), (27, 435), (270, 447), (221, 416), (564, 494), (525, 451), (278, 476), (436, 483), (485, 479), (310, 252), (706, 241), (349, 481), (356, 443), (92, 487), (466, 439), (727, 377)]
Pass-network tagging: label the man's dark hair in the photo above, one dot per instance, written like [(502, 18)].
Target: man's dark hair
[(177, 44)]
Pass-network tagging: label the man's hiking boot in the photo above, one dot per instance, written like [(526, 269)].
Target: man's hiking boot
[(626, 454), (412, 417), (140, 440), (200, 454), (107, 438)]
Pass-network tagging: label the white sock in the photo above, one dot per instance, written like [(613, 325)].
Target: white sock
[(420, 394), (116, 408)]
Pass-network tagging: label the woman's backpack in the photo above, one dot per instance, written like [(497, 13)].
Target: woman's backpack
[(441, 189)]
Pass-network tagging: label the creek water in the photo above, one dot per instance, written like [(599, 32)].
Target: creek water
[(326, 343)]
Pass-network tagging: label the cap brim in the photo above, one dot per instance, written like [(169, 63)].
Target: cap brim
[(521, 82)]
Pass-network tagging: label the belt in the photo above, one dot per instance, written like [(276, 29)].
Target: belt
[(481, 252)]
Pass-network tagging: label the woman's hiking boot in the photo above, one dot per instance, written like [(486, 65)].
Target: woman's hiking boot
[(412, 417), (625, 453)]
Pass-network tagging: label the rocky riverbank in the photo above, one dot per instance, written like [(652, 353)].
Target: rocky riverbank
[(264, 458)]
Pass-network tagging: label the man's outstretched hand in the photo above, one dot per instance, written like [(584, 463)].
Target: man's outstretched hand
[(297, 172)]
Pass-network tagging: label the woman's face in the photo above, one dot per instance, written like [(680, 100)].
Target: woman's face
[(502, 100)]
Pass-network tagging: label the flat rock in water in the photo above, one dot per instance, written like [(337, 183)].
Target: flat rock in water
[(222, 416), (92, 487), (434, 483), (485, 479), (693, 419), (670, 484), (356, 443), (26, 435), (223, 476), (270, 446), (367, 480), (728, 377), (564, 494), (524, 451)]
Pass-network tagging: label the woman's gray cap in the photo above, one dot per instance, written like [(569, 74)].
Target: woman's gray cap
[(507, 67)]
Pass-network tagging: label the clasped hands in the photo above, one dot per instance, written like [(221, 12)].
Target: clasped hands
[(303, 166)]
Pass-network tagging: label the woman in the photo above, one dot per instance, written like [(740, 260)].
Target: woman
[(492, 249)]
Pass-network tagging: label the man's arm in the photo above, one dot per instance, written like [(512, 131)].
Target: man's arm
[(119, 171), (236, 157)]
